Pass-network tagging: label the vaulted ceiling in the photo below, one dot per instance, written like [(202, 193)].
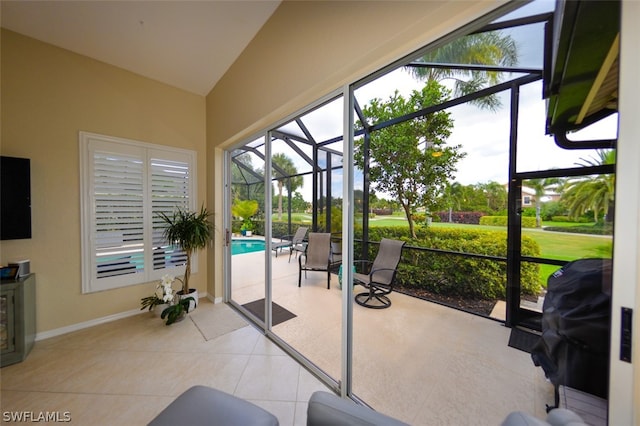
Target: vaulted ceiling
[(187, 44)]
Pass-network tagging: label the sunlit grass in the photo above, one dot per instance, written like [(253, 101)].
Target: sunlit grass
[(553, 245)]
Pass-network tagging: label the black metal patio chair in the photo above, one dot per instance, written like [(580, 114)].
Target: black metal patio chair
[(379, 275)]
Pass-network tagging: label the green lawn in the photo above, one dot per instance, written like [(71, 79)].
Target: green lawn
[(553, 245)]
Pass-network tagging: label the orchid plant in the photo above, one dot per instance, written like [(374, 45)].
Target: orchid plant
[(164, 294)]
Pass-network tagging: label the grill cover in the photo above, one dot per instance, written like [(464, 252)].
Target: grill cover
[(574, 347)]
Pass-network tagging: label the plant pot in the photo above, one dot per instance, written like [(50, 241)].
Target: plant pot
[(157, 310), (192, 293), (248, 233)]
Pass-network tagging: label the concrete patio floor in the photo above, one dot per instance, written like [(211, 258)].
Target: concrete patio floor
[(418, 361)]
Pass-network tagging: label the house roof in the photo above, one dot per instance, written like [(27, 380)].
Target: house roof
[(186, 44)]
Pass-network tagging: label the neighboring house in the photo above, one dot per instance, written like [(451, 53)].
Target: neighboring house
[(529, 196)]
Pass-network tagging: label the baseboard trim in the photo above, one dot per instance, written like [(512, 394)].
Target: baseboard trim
[(86, 324), (214, 299), (103, 320)]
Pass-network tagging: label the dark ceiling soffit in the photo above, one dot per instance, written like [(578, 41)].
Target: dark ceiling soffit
[(584, 33)]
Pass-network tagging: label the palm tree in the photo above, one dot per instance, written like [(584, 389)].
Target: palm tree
[(595, 193), (190, 231), (489, 48), (284, 163), (540, 186)]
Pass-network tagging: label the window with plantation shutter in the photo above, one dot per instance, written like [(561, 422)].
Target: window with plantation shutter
[(169, 188), (119, 214), (124, 186)]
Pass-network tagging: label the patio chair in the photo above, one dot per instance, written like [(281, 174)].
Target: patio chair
[(282, 244), (316, 256), (298, 243), (380, 276)]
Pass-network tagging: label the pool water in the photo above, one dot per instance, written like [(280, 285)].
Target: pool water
[(246, 246)]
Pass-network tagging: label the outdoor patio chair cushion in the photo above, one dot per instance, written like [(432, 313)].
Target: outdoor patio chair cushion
[(201, 405)]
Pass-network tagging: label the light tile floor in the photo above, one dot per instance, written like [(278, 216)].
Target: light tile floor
[(423, 363), (125, 372)]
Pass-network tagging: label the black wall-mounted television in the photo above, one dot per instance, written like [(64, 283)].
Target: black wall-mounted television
[(15, 198)]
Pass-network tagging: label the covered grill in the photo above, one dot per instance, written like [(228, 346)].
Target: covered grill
[(574, 347)]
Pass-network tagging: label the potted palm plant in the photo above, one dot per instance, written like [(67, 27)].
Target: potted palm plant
[(245, 209), (190, 231)]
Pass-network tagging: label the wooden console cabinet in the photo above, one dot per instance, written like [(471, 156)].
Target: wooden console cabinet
[(17, 318)]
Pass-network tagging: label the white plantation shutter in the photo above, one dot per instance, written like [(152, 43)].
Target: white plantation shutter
[(169, 189), (124, 185), (119, 214)]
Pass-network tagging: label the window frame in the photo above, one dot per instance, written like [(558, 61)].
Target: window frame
[(91, 143)]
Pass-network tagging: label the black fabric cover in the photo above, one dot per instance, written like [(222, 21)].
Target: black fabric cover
[(574, 347)]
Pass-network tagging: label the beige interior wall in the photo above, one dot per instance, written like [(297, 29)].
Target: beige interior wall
[(48, 96)]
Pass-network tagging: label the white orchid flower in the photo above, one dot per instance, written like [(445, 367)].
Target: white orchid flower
[(167, 280)]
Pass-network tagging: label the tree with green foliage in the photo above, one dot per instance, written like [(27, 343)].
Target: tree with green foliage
[(410, 160), (541, 186), (298, 203), (490, 197), (495, 196), (489, 48), (593, 193), (281, 162)]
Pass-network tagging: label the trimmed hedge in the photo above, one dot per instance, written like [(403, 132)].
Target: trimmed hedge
[(469, 218), (569, 219), (449, 274), (456, 275), (527, 222), (579, 229)]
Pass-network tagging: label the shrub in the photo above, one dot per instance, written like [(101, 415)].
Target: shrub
[(382, 211), (552, 208), (571, 219), (419, 218), (580, 229), (472, 218), (453, 274), (527, 222)]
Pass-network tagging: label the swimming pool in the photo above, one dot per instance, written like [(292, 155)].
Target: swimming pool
[(246, 246)]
